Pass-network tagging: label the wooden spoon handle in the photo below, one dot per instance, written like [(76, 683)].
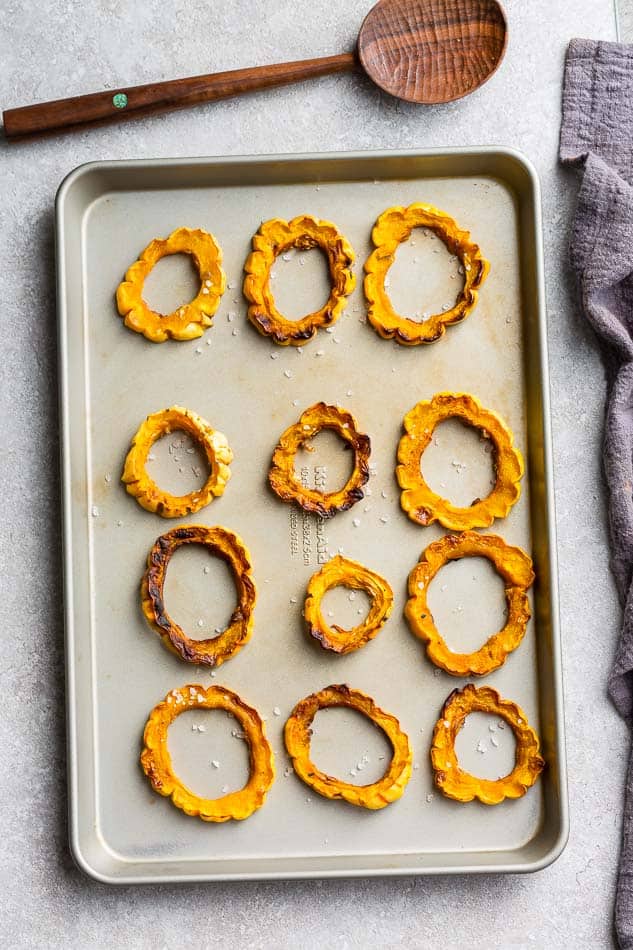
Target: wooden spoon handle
[(163, 96)]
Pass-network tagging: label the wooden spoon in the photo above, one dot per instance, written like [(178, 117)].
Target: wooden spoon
[(426, 51)]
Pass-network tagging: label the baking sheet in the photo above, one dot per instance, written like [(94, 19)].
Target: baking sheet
[(252, 390)]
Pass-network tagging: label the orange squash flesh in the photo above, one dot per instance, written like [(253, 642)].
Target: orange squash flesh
[(190, 320), (157, 765), (274, 238), (464, 787), (392, 228), (425, 506), (297, 735)]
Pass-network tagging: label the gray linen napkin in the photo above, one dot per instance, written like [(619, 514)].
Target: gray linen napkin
[(597, 135)]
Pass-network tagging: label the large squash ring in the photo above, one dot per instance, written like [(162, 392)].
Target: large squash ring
[(425, 506), (144, 489), (282, 476), (342, 572), (273, 238), (392, 228), (191, 319), (297, 734), (224, 544), (157, 765), (462, 786), (514, 566)]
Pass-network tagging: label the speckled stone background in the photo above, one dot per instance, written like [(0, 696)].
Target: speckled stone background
[(64, 48)]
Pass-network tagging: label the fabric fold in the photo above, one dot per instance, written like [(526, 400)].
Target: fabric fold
[(597, 136)]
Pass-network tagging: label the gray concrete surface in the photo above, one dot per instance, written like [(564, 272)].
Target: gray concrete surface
[(53, 49)]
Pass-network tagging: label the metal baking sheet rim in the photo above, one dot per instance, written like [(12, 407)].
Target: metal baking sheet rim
[(486, 156)]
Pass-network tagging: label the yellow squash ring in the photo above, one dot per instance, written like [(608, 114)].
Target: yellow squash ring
[(392, 228), (425, 506), (297, 738), (223, 544), (157, 765), (191, 319), (282, 476), (274, 238), (340, 571), (514, 566), (460, 785), (144, 489)]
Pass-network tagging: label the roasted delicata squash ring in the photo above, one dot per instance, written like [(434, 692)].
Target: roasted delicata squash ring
[(342, 572), (157, 765), (282, 476), (221, 543), (297, 735), (191, 319), (460, 785), (274, 238), (392, 228), (514, 566), (425, 506), (144, 489)]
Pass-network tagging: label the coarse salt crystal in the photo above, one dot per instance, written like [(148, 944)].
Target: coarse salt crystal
[(276, 711), (356, 522), (215, 763), (287, 374)]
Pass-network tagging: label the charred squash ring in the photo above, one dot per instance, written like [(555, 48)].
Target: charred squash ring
[(418, 500), (273, 238), (224, 544), (392, 228), (297, 734), (342, 572), (191, 319), (144, 489), (282, 476), (460, 785), (157, 765), (514, 566)]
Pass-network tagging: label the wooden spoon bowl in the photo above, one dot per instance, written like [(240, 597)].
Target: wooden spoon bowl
[(431, 51)]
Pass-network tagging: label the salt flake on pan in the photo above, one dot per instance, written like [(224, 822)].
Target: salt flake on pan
[(215, 763)]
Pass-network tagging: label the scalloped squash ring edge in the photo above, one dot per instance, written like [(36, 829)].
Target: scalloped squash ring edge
[(462, 786), (515, 568), (231, 549), (156, 761), (274, 238), (190, 320), (297, 734), (393, 227), (147, 493), (419, 501)]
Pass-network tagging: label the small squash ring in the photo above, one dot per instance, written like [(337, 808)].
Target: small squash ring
[(422, 504), (157, 765), (341, 571), (462, 786), (392, 228), (191, 319), (297, 734), (224, 544), (273, 238), (144, 489), (514, 566), (283, 480)]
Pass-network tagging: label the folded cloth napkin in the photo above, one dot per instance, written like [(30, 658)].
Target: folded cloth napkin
[(597, 136)]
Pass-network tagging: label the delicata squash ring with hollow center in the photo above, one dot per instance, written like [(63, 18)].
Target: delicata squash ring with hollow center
[(419, 501), (189, 320), (283, 479), (274, 238), (157, 765), (342, 572), (514, 566), (393, 227), (144, 489), (462, 786), (297, 735), (232, 550)]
